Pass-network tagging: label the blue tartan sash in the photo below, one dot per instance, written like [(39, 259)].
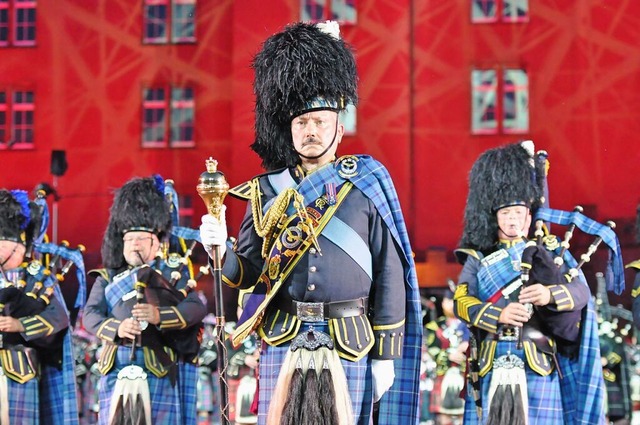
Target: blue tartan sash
[(498, 268), (119, 286)]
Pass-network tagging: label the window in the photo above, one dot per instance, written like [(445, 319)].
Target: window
[(343, 11), (17, 22), (349, 120), (168, 117), (499, 102), (182, 111), (485, 11), (16, 119), (515, 101), (169, 19)]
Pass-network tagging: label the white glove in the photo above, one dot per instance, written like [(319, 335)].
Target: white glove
[(213, 232), (382, 374)]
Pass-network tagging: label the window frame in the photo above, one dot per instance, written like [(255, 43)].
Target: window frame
[(499, 11), (169, 23), (14, 24), (349, 9), (12, 108), (169, 109), (502, 88)]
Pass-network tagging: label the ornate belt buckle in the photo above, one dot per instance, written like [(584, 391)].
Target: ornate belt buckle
[(310, 312)]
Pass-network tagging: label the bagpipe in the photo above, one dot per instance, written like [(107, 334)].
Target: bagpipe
[(547, 260), (153, 287), (169, 280)]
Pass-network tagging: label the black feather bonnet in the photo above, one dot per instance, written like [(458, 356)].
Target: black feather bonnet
[(295, 68), (501, 177), (20, 218), (139, 205)]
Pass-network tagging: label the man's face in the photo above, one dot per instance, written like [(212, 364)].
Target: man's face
[(11, 254), (513, 222), (312, 133), (140, 247)]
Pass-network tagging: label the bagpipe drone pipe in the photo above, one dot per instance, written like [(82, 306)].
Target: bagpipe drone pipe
[(547, 260)]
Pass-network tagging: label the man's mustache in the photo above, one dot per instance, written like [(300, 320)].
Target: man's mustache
[(311, 141)]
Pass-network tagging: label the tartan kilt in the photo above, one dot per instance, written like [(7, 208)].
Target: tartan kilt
[(24, 401), (358, 378), (545, 400), (187, 382), (165, 398)]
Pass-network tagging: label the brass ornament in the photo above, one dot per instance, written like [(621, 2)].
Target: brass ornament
[(212, 188)]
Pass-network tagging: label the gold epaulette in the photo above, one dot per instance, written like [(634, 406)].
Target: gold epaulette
[(243, 191), (462, 254), (633, 265), (99, 272)]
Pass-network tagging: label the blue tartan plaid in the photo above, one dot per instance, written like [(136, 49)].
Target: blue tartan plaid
[(69, 254), (23, 402), (165, 399), (583, 389), (358, 379), (187, 382), (58, 388), (400, 405), (614, 274)]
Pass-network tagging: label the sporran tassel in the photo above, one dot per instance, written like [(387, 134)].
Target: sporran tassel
[(495, 408), (508, 397), (310, 409), (312, 387), (131, 399), (291, 409), (519, 416), (327, 396)]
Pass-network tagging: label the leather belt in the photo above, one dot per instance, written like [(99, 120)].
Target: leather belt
[(508, 333), (318, 312)]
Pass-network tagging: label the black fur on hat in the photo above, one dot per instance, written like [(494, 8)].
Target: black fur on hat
[(294, 67), (138, 205), (500, 177), (20, 218)]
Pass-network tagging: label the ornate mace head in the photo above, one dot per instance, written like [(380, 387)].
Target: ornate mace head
[(212, 187)]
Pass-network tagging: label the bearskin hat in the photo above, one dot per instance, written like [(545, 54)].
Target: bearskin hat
[(303, 68), (500, 177), (20, 218), (139, 205)]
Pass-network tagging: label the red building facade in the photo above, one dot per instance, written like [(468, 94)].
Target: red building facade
[(91, 66)]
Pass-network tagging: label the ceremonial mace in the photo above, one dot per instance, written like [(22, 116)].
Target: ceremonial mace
[(212, 188)]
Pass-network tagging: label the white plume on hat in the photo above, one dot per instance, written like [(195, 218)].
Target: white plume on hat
[(330, 27)]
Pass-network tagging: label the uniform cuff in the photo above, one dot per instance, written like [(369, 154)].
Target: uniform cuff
[(35, 327), (170, 318), (389, 340), (487, 318), (562, 297), (108, 331)]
